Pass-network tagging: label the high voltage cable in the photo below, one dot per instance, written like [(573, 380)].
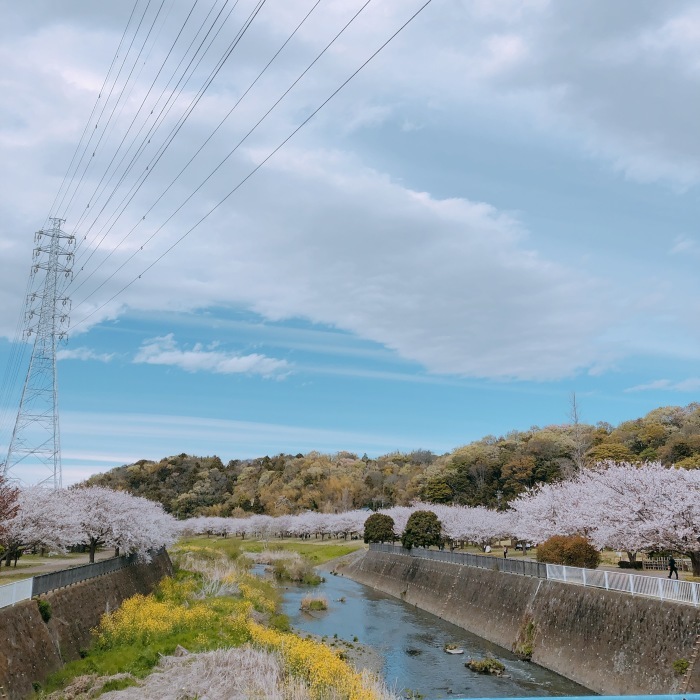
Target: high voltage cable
[(170, 101), (114, 109), (94, 107), (257, 167), (208, 139), (149, 169), (165, 110), (133, 121), (219, 166)]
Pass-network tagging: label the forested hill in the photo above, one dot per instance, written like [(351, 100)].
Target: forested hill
[(482, 472)]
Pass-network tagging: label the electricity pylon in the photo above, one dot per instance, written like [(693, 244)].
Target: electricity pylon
[(36, 440)]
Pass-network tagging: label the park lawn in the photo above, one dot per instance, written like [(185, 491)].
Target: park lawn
[(316, 551)]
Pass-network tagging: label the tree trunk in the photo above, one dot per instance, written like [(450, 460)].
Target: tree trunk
[(632, 556), (93, 549), (695, 561)]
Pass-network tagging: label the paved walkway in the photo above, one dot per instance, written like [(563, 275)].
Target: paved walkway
[(44, 565)]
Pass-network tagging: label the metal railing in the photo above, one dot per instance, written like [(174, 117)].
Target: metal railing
[(11, 593), (523, 567), (634, 584), (67, 577)]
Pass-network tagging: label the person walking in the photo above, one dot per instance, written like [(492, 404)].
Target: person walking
[(505, 552), (672, 567)]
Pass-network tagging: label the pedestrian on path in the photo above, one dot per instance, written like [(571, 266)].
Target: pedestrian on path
[(505, 552), (672, 567)]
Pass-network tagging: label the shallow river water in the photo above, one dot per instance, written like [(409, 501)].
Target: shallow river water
[(410, 642)]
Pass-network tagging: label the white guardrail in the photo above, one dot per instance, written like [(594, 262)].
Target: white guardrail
[(635, 584), (11, 593)]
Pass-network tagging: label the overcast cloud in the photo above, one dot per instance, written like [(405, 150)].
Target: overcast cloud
[(457, 284)]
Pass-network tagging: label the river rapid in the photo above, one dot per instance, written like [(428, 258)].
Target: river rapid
[(410, 644)]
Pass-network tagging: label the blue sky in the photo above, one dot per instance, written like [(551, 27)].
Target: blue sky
[(500, 209)]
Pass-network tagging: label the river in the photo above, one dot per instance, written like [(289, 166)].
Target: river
[(410, 642)]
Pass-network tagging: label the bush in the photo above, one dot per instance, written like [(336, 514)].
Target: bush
[(44, 609), (423, 529), (680, 666), (487, 665), (570, 550), (308, 604), (379, 528)]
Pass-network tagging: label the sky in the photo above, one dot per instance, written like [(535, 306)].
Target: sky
[(499, 209)]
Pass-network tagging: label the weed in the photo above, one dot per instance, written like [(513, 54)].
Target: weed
[(44, 609), (680, 666)]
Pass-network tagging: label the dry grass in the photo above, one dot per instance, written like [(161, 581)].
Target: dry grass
[(311, 603)]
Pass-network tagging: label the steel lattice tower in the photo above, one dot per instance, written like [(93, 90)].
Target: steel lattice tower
[(36, 441)]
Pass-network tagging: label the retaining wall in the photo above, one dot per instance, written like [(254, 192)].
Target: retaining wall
[(610, 642), (30, 649)]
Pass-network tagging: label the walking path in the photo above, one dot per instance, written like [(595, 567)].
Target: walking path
[(32, 565)]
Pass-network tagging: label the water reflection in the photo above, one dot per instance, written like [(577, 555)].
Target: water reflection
[(411, 643)]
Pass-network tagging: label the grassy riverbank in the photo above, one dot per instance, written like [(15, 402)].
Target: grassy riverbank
[(213, 607)]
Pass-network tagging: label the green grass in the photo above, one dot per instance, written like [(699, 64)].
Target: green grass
[(316, 551)]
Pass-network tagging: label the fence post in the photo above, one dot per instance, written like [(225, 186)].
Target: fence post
[(584, 577), (563, 568), (631, 584), (661, 589), (694, 593), (606, 580)]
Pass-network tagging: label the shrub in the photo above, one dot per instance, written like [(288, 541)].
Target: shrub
[(292, 567), (379, 528), (44, 609), (308, 603), (423, 529), (680, 666), (570, 550), (487, 665)]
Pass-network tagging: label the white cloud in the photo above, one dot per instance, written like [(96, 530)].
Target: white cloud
[(83, 354), (684, 245), (691, 384), (165, 351)]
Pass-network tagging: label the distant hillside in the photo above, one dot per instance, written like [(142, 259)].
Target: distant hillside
[(488, 471)]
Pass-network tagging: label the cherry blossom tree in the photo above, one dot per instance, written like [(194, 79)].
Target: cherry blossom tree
[(8, 501), (551, 509), (40, 519), (102, 517), (642, 507)]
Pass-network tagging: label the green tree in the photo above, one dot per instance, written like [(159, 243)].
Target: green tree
[(423, 529), (570, 550), (379, 528), (437, 491)]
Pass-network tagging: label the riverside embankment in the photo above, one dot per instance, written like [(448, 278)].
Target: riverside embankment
[(610, 642), (31, 649)]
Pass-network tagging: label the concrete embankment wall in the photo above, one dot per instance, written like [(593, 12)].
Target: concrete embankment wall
[(610, 642), (31, 649)]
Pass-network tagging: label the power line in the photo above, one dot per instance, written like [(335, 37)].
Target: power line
[(94, 107), (222, 162), (208, 139), (119, 99), (165, 110), (260, 165)]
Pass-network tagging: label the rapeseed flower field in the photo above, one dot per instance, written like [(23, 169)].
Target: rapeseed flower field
[(213, 603)]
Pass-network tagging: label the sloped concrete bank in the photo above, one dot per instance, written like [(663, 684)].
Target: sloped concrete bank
[(610, 642), (31, 649)]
